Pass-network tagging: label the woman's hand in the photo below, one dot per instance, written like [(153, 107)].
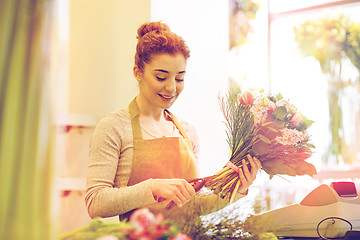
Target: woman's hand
[(177, 190), (247, 176)]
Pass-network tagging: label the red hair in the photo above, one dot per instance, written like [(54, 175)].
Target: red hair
[(156, 38)]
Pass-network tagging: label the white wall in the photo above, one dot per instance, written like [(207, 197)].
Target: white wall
[(204, 26), (102, 43)]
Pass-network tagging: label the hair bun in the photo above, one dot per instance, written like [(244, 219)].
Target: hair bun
[(150, 27)]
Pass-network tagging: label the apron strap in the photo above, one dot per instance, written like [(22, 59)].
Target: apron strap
[(135, 122), (177, 124)]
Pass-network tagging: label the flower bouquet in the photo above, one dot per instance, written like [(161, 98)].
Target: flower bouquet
[(142, 225), (267, 127)]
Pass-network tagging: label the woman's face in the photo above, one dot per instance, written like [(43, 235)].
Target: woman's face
[(162, 80)]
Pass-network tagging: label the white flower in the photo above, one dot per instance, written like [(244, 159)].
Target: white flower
[(290, 136), (284, 103)]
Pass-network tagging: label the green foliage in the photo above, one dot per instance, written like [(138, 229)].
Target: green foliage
[(240, 125), (352, 44), (304, 124), (279, 96), (97, 228), (280, 113), (224, 225)]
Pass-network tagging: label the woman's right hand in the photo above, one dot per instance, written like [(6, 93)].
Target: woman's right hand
[(177, 190)]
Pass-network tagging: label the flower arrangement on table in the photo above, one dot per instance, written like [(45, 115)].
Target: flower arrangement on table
[(142, 225), (267, 127)]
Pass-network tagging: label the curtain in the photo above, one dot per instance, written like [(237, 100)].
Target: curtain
[(25, 133)]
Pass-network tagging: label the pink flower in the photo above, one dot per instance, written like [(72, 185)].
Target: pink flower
[(180, 236), (142, 218), (271, 107), (284, 103), (157, 230), (142, 236), (246, 98), (295, 119)]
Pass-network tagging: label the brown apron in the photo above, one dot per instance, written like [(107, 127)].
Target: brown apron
[(166, 157)]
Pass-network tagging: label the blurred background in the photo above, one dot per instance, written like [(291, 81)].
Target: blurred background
[(64, 64)]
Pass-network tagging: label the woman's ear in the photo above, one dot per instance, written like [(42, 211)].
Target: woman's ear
[(137, 73)]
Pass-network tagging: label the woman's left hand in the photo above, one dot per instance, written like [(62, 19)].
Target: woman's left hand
[(247, 176)]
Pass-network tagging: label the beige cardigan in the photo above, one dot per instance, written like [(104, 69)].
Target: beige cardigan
[(111, 155)]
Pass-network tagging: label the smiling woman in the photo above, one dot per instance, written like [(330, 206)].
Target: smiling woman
[(142, 156)]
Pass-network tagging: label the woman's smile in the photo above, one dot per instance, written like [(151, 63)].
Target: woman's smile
[(166, 98)]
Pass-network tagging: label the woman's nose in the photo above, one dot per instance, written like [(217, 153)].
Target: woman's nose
[(171, 85)]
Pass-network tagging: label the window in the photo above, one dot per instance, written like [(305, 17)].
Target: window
[(271, 59)]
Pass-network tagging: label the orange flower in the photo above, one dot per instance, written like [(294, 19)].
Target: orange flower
[(246, 98)]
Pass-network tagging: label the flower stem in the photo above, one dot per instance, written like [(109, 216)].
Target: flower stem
[(229, 183), (225, 171), (235, 191)]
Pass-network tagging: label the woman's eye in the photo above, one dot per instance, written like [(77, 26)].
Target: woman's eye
[(160, 78), (179, 79)]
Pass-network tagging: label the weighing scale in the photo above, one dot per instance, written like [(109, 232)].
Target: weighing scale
[(327, 212)]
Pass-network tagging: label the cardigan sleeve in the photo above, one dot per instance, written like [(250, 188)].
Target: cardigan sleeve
[(109, 169)]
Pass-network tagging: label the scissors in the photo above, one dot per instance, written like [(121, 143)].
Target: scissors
[(196, 183)]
